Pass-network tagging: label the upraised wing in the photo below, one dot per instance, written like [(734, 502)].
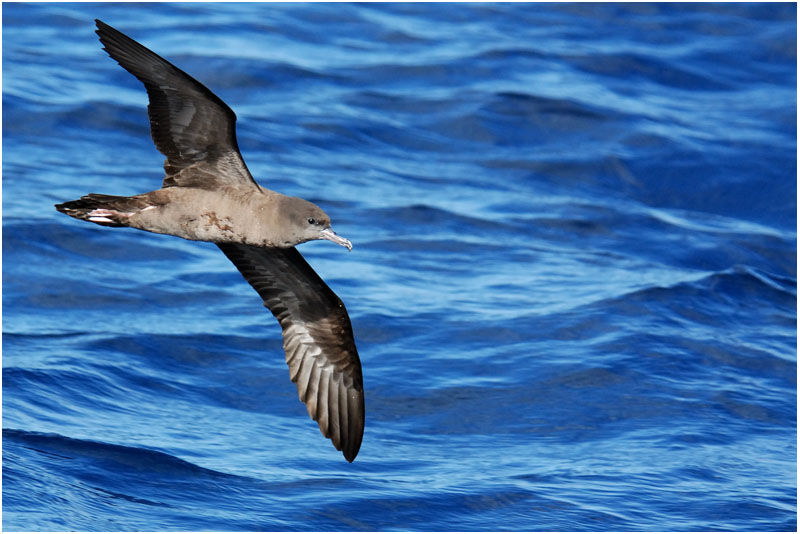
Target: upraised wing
[(189, 124), (317, 338)]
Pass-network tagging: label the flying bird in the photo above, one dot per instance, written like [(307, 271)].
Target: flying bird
[(208, 194)]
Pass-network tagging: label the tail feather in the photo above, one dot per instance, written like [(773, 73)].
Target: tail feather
[(105, 210)]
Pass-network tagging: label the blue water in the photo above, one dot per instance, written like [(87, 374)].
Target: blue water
[(573, 282)]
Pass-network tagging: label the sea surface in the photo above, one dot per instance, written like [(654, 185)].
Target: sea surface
[(573, 284)]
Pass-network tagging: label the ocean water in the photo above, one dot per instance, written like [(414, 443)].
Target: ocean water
[(573, 282)]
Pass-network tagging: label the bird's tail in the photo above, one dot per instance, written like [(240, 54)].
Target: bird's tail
[(106, 210)]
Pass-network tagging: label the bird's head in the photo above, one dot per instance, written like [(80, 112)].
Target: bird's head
[(309, 222)]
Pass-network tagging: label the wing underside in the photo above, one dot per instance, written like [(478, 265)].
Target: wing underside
[(317, 338)]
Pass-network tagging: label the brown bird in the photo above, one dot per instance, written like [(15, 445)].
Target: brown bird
[(208, 194)]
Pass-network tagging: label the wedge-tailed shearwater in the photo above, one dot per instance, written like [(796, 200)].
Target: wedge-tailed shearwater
[(208, 194)]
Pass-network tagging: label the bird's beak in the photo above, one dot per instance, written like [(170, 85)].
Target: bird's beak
[(330, 235)]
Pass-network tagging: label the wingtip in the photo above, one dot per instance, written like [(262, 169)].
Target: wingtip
[(350, 455), (105, 31), (102, 28), (350, 450)]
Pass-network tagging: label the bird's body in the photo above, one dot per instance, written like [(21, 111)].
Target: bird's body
[(208, 194), (225, 215)]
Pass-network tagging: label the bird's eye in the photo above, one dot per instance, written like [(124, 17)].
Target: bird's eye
[(312, 220)]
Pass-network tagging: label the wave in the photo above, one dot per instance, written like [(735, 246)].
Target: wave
[(109, 455)]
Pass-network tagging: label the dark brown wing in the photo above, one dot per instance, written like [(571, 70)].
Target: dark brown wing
[(317, 339), (190, 125)]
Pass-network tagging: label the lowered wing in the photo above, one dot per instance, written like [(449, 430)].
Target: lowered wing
[(317, 338)]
